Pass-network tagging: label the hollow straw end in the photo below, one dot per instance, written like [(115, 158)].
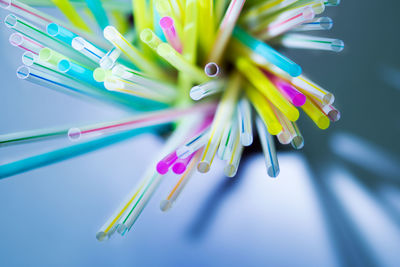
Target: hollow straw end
[(102, 236), (162, 168), (299, 100), (179, 168), (230, 170), (203, 167), (165, 205)]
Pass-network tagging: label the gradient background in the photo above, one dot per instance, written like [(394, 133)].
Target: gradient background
[(335, 203)]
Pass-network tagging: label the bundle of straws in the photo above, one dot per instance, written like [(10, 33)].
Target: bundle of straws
[(194, 68)]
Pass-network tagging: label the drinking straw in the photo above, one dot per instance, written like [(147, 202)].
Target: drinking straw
[(225, 30), (193, 144), (264, 85), (289, 15), (329, 110), (220, 7), (234, 158), (286, 22), (130, 218), (178, 9), (69, 11), (145, 64), (32, 60), (164, 164), (298, 140), (228, 139), (96, 8), (206, 30), (268, 147), (31, 135), (321, 23), (139, 121), (78, 72), (88, 49), (224, 112), (167, 203), (245, 122), (288, 91), (264, 110), (208, 88), (60, 33), (168, 28), (50, 56), (284, 137), (180, 63), (47, 158), (317, 116), (109, 59), (211, 69), (163, 8), (125, 86), (100, 74), (143, 19), (306, 86), (303, 41), (114, 5), (180, 165), (190, 32), (263, 9), (264, 50), (151, 39), (137, 82), (17, 39)]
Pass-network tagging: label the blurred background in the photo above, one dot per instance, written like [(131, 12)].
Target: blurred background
[(335, 203)]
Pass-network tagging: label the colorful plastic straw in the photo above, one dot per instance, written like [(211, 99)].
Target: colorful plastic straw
[(228, 139), (268, 146), (180, 165), (264, 85), (245, 122), (98, 12), (306, 86), (317, 24), (209, 88), (23, 42), (233, 161), (193, 145), (303, 41), (288, 91), (224, 111), (211, 69), (32, 136), (167, 26), (78, 72), (267, 52), (110, 58), (69, 11), (318, 117), (298, 140), (88, 49)]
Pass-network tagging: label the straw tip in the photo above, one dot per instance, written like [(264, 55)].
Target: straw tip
[(230, 170), (203, 167), (102, 236), (165, 205), (179, 168)]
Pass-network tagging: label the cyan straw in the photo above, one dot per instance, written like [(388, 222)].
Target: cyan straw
[(270, 54), (60, 33), (98, 12)]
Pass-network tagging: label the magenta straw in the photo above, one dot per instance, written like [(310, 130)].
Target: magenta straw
[(181, 164), (164, 164), (288, 91), (167, 26)]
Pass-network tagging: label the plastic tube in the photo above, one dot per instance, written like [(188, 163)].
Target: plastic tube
[(317, 116), (264, 110), (148, 66), (268, 146), (98, 12), (285, 136), (108, 60), (288, 91), (233, 161), (180, 165), (164, 164), (60, 33), (167, 25), (69, 11), (100, 74), (267, 52), (211, 69), (175, 59), (205, 89), (302, 41), (317, 24), (78, 72), (225, 30), (151, 39), (264, 85), (193, 144), (88, 49), (32, 136), (306, 86), (245, 122), (228, 139), (298, 140), (23, 42), (224, 112)]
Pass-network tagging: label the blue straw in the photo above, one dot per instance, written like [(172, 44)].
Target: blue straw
[(60, 33), (98, 12), (78, 72), (270, 54)]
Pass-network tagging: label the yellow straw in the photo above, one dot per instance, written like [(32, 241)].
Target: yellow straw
[(318, 117), (264, 85), (264, 109), (69, 11), (206, 22)]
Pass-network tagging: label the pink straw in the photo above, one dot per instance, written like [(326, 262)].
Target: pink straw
[(181, 164), (167, 26), (288, 91), (164, 164)]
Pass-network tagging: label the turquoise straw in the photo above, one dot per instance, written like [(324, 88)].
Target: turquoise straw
[(98, 12), (60, 33), (78, 72), (270, 54), (54, 156)]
